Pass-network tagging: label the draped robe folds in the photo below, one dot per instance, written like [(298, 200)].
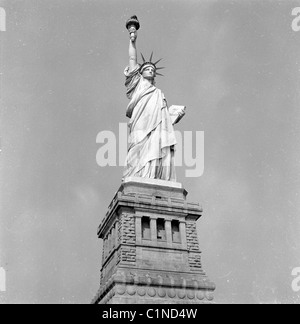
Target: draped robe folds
[(151, 134)]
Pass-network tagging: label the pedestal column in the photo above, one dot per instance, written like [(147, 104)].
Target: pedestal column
[(153, 227)]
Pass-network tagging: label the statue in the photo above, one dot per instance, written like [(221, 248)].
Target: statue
[(151, 133)]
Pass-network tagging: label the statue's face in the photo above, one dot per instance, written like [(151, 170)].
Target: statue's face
[(149, 73)]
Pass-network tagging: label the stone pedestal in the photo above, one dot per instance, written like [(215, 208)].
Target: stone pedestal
[(151, 252)]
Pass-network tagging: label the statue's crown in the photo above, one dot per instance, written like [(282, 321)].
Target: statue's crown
[(150, 63)]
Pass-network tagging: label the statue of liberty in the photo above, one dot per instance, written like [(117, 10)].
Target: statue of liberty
[(151, 133)]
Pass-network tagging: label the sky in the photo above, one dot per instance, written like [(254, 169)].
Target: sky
[(234, 64)]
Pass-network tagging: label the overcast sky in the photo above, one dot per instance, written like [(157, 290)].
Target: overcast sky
[(234, 64)]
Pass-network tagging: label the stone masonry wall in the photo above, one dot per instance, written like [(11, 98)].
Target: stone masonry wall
[(193, 246), (127, 236), (127, 228), (192, 237), (195, 260)]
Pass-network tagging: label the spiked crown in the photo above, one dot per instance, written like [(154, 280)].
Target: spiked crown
[(147, 63)]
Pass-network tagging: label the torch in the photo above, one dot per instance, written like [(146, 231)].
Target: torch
[(132, 25)]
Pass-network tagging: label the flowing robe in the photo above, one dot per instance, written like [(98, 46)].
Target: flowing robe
[(151, 133)]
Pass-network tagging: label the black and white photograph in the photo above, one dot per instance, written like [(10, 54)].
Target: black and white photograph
[(149, 154)]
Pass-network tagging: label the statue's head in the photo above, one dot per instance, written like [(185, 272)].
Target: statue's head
[(149, 69)]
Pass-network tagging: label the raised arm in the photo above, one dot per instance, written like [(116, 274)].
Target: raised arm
[(132, 51)]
